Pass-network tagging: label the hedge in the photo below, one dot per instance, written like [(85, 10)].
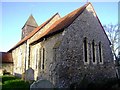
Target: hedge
[(7, 78), (15, 85)]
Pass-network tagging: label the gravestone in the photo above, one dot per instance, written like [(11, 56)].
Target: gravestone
[(29, 74), (42, 85)]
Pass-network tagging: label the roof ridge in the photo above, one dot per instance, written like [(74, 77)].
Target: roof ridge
[(34, 31), (55, 26), (84, 6), (43, 25), (75, 13)]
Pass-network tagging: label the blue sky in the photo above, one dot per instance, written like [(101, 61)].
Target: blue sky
[(15, 14)]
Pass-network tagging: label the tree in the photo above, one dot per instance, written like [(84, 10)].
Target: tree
[(113, 32)]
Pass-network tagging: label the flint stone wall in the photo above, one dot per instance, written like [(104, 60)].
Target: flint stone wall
[(69, 56)]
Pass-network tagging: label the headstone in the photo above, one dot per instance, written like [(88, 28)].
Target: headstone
[(42, 85), (29, 74)]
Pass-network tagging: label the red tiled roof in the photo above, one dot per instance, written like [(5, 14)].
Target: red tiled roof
[(66, 21), (63, 22), (6, 57), (33, 32), (58, 25)]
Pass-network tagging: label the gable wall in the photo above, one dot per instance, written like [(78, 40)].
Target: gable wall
[(71, 67)]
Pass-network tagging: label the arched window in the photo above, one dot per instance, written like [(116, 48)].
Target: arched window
[(42, 58), (85, 50), (100, 53), (93, 51)]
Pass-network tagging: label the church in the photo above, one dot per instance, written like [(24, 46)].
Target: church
[(64, 50)]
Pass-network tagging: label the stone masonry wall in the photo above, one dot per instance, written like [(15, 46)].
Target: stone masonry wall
[(8, 67), (30, 49), (26, 30), (49, 63), (64, 59), (26, 52), (69, 56), (19, 60)]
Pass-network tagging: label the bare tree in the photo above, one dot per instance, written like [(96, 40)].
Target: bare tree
[(113, 32)]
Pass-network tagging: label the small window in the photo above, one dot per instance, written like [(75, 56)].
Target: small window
[(42, 58), (93, 51), (100, 53), (29, 54), (85, 50)]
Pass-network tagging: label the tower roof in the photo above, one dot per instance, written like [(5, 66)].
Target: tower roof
[(33, 32), (31, 21)]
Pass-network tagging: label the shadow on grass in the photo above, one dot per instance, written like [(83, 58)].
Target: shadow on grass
[(106, 84)]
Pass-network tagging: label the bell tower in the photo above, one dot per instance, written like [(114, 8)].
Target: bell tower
[(29, 26)]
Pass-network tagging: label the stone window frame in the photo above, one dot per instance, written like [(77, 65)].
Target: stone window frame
[(85, 51), (100, 53), (94, 52)]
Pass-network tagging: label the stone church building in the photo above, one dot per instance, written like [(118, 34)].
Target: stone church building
[(64, 50)]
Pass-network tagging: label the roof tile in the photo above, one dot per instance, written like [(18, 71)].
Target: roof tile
[(63, 22), (57, 26), (6, 57)]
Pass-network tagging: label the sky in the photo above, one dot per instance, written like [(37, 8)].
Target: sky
[(14, 15)]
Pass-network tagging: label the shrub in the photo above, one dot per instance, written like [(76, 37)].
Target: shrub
[(7, 78), (15, 85)]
